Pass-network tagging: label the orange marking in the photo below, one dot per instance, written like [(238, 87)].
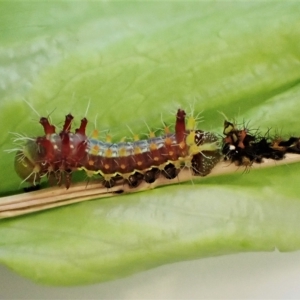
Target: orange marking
[(153, 146), (168, 141)]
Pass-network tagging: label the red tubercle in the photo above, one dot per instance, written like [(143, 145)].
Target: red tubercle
[(65, 144), (48, 128), (82, 127), (180, 130), (68, 123)]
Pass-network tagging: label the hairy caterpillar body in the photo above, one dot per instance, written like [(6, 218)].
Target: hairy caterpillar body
[(58, 155), (244, 149)]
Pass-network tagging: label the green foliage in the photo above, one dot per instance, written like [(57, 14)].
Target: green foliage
[(134, 61)]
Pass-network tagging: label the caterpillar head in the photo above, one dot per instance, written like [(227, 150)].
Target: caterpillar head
[(26, 162), (206, 152)]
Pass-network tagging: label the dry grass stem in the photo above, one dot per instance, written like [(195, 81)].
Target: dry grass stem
[(25, 203)]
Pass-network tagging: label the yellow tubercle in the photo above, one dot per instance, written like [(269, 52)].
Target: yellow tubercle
[(95, 134), (122, 152), (108, 138), (108, 153), (136, 137), (167, 130), (137, 150), (168, 141), (151, 134), (153, 147), (191, 123), (95, 150)]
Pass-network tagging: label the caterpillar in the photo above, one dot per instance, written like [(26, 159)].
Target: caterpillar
[(57, 155), (244, 149)]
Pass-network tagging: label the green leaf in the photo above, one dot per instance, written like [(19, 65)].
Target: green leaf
[(134, 61)]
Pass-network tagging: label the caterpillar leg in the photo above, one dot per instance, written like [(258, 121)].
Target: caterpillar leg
[(135, 179), (170, 171), (151, 175)]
